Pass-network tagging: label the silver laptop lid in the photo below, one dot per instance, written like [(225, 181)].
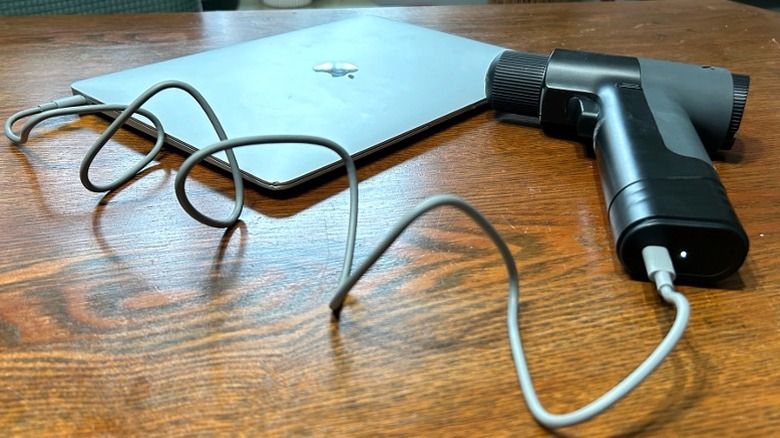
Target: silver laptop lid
[(364, 83)]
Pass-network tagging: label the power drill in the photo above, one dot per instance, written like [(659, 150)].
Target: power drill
[(653, 125)]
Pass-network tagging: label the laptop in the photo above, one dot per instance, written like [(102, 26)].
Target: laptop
[(365, 83)]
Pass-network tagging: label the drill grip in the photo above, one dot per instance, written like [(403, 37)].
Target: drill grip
[(657, 196)]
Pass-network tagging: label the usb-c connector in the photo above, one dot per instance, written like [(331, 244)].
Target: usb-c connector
[(46, 108), (64, 102), (658, 264), (660, 270)]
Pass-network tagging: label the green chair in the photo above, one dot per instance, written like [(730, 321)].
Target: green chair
[(66, 7)]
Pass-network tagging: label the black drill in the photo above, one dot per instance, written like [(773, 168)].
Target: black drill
[(653, 125)]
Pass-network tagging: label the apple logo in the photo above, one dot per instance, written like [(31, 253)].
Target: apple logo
[(337, 69)]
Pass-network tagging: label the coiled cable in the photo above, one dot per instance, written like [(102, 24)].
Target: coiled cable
[(657, 259)]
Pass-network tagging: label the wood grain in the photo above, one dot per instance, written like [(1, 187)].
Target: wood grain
[(121, 316)]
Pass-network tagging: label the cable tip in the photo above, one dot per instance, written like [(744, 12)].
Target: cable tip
[(658, 264)]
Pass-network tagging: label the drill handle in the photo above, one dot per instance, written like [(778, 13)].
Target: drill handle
[(660, 187), (632, 146)]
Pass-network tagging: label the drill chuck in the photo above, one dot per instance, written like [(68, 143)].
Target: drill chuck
[(514, 82)]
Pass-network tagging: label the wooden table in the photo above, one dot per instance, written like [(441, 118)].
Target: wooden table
[(120, 315)]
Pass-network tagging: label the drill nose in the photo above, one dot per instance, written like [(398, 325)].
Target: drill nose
[(741, 84), (514, 82)]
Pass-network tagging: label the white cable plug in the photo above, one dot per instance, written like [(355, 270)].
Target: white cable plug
[(660, 271), (64, 102), (658, 264)]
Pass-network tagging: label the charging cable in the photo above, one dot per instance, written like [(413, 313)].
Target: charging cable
[(660, 270), (657, 259), (79, 105)]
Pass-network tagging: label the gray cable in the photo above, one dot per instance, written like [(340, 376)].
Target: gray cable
[(79, 105), (657, 259), (618, 391), (226, 145), (538, 411), (92, 152)]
